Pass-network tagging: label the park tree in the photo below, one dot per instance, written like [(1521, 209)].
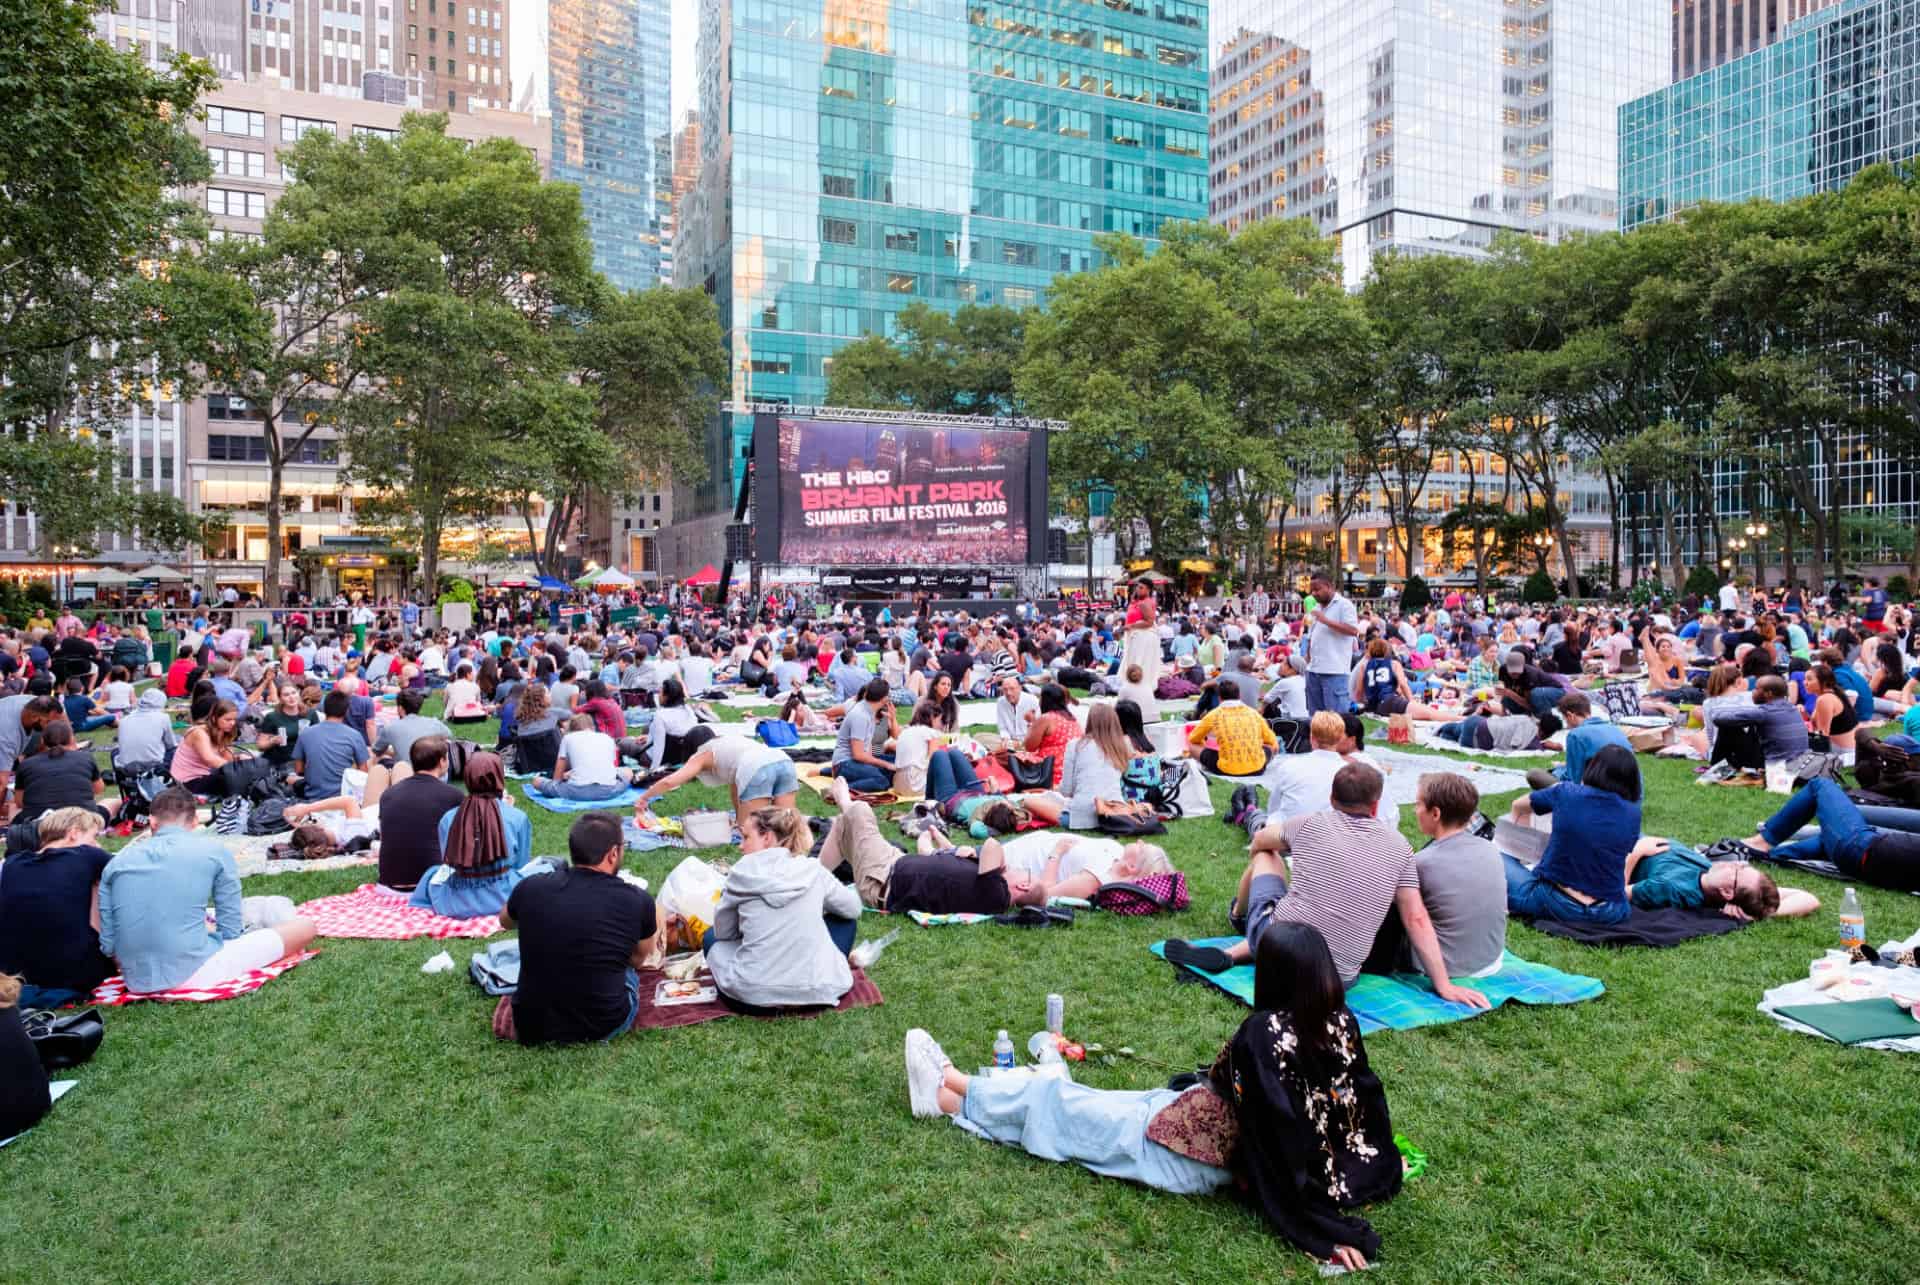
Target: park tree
[(936, 362), (94, 149), (460, 334), (651, 359)]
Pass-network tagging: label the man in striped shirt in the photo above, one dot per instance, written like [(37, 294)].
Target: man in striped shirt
[(1349, 867)]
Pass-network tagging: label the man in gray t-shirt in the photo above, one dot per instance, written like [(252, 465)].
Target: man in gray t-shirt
[(1463, 885)]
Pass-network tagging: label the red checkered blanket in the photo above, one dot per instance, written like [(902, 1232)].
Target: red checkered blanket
[(113, 992), (368, 912)]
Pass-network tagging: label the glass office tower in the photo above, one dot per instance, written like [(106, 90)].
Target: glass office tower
[(1834, 95), (1426, 128), (858, 156), (608, 85)]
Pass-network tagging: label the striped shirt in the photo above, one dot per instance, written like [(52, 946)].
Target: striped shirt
[(1346, 870)]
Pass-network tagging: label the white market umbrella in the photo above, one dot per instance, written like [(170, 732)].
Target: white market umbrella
[(103, 576), (613, 578), (157, 572)]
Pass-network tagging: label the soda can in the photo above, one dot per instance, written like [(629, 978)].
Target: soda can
[(1056, 1014)]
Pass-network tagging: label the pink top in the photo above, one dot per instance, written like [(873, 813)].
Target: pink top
[(189, 766)]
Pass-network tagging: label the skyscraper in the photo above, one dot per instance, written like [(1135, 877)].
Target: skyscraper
[(609, 75), (1707, 33), (1405, 125), (864, 156)]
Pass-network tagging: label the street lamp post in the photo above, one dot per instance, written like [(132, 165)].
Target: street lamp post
[(1350, 568), (1757, 531)]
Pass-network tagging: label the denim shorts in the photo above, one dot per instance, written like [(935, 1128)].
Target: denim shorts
[(1263, 892), (633, 1004), (771, 782)]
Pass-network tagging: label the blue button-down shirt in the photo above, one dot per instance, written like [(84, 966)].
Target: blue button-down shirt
[(153, 907)]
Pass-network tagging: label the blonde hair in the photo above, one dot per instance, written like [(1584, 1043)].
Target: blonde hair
[(1153, 860), (785, 825), (62, 822), (1723, 678), (1103, 730), (1326, 729), (9, 990)]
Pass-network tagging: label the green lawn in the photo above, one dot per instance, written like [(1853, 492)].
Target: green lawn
[(355, 1121)]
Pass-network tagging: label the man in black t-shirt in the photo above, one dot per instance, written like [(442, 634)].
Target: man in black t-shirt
[(583, 934), (410, 813)]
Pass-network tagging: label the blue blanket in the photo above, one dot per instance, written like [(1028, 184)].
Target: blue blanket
[(625, 799), (1406, 1000)]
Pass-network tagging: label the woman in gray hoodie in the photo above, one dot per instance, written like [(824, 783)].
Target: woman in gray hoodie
[(783, 927)]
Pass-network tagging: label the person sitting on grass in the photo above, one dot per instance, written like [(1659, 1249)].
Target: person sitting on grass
[(755, 774), (410, 813), (784, 925), (1245, 741), (1660, 878), (59, 776), (395, 740), (1581, 878), (1077, 865), (207, 747), (1768, 731), (49, 915), (934, 879), (153, 905), (1052, 730), (808, 721), (1585, 735), (1873, 845), (1290, 1112), (1462, 885), (485, 844), (85, 713), (326, 751), (25, 1098), (584, 934), (587, 767), (1348, 868), (1296, 783)]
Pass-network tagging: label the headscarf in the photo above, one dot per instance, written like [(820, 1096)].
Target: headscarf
[(477, 839)]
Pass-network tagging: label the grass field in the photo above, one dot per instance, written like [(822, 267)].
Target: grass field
[(354, 1121)]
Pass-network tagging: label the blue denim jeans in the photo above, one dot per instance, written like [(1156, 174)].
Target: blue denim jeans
[(1844, 832), (633, 1005), (948, 773), (1329, 692), (1530, 895), (865, 777)]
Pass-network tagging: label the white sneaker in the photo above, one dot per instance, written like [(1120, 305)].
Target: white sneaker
[(926, 1067)]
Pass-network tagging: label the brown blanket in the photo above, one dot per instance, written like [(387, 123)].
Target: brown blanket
[(864, 994)]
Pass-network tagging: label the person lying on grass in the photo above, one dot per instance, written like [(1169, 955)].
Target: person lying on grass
[(935, 878), (1659, 878), (1076, 865), (1878, 845), (1348, 868), (1290, 1111)]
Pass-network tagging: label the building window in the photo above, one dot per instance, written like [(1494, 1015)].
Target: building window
[(903, 283), (839, 231), (231, 120), (839, 183), (375, 131), (236, 204), (231, 162), (1020, 254), (906, 240), (292, 127)]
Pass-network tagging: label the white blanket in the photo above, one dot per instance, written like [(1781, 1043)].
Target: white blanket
[(1804, 992)]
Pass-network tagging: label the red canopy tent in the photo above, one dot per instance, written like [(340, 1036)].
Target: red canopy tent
[(704, 576)]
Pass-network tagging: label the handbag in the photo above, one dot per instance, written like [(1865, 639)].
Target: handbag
[(1130, 825), (778, 732), (752, 673), (1147, 895), (1031, 774), (64, 1039)]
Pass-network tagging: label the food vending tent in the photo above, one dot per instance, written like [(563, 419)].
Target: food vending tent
[(705, 576)]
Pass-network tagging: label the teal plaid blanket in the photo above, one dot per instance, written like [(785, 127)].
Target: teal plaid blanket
[(1406, 1000)]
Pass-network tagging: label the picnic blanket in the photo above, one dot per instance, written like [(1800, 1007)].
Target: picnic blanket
[(1667, 927), (1405, 1001), (814, 777), (249, 853), (1787, 1005), (625, 799), (371, 914), (56, 1089), (1424, 736), (113, 992), (1404, 771), (652, 1017)]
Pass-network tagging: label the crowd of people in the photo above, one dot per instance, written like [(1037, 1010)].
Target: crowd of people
[(1090, 711)]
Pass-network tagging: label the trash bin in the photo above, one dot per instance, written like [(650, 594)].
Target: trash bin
[(166, 644)]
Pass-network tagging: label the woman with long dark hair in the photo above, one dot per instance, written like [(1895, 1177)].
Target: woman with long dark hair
[(1290, 1110), (485, 843)]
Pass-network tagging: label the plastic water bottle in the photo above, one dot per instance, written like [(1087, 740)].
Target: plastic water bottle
[(1056, 1014), (1003, 1053), (1853, 923)]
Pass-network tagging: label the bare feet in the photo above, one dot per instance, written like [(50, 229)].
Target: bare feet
[(842, 796)]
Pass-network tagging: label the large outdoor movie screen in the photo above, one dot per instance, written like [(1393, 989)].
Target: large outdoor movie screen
[(865, 494)]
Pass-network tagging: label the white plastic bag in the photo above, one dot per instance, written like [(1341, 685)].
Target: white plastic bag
[(1194, 799), (691, 890)]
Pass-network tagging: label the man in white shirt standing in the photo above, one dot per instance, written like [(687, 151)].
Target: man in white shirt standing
[(1014, 712), (1729, 597), (1335, 625)]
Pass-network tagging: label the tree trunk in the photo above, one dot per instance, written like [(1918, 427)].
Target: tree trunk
[(430, 523), (276, 471), (1669, 546), (1613, 535), (1913, 559), (1788, 573)]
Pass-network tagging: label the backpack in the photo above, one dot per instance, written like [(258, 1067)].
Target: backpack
[(778, 732), (230, 815), (1147, 895), (1140, 783), (1174, 688), (269, 816)]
